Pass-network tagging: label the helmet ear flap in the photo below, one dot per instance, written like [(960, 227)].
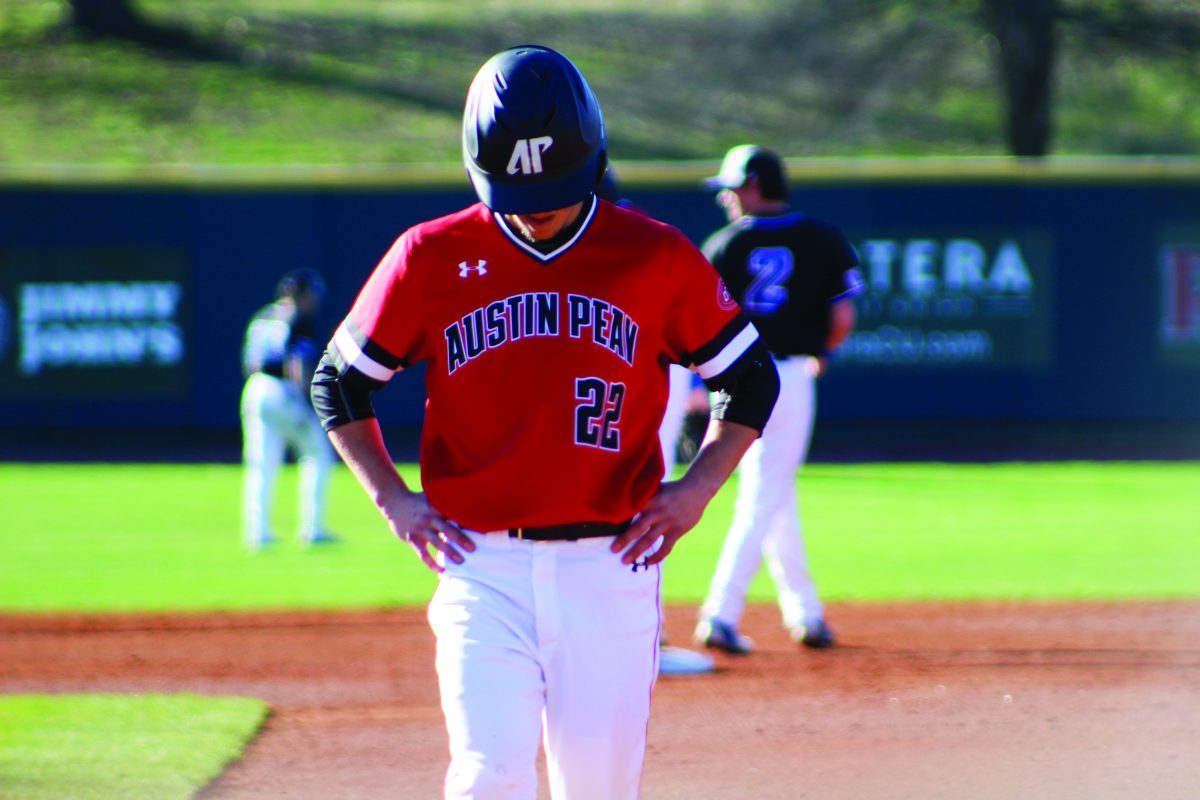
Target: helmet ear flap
[(601, 169)]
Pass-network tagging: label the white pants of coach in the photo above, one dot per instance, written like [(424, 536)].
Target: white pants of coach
[(680, 380), (545, 642), (275, 417), (766, 520)]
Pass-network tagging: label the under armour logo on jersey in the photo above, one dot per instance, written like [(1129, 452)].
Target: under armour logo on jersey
[(527, 155), (465, 269)]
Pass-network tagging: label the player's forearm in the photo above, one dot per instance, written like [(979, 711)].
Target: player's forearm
[(361, 446), (723, 447), (842, 322)]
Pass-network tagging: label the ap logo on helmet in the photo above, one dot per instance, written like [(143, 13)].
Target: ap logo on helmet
[(527, 155)]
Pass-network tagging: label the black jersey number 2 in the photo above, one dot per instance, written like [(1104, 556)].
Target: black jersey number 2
[(599, 413), (770, 268)]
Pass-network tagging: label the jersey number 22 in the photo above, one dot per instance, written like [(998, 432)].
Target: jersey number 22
[(599, 413)]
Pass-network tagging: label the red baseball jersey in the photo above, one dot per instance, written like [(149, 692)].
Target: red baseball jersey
[(546, 373)]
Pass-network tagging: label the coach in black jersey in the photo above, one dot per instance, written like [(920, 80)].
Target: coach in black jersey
[(795, 277)]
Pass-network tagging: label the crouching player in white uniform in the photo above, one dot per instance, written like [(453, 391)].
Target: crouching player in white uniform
[(546, 319), (278, 358)]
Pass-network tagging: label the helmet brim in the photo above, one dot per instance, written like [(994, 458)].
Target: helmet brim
[(511, 197)]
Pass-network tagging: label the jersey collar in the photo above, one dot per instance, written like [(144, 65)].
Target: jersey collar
[(588, 213), (783, 220)]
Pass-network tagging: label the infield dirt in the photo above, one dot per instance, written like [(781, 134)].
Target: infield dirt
[(977, 701)]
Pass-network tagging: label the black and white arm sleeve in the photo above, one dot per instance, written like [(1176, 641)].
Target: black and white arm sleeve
[(747, 390), (351, 369), (738, 369), (341, 393)]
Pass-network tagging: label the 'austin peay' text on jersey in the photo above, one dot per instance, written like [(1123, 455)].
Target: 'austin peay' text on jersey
[(585, 329)]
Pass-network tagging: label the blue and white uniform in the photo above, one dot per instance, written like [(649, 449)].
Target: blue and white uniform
[(278, 358)]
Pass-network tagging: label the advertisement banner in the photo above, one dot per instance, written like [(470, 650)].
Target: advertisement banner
[(1179, 306), (93, 321), (953, 298)]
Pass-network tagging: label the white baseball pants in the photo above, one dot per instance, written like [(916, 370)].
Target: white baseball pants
[(275, 416), (556, 641), (766, 520), (672, 423)]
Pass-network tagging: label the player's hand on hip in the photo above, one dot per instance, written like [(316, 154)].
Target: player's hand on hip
[(672, 511), (415, 521)]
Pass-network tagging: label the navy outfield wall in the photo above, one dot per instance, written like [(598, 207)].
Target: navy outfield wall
[(997, 292)]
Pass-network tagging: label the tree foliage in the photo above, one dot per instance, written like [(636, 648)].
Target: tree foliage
[(798, 39), (115, 18), (1025, 32), (121, 19), (1028, 31)]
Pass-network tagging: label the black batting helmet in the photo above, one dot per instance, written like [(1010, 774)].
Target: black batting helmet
[(533, 134)]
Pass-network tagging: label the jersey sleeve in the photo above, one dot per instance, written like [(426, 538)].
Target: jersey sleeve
[(705, 330), (845, 278), (381, 335)]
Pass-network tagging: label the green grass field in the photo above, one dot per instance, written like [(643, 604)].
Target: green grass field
[(118, 537), (121, 537), (95, 747)]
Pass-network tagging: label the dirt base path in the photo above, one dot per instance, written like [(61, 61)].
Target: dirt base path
[(922, 701)]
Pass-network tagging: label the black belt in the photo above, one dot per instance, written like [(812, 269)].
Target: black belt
[(569, 533)]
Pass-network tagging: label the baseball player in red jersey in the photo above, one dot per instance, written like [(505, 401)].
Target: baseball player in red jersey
[(546, 319)]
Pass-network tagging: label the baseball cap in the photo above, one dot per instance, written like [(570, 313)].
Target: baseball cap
[(748, 159)]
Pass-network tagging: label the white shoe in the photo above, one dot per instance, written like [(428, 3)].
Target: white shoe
[(678, 661)]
